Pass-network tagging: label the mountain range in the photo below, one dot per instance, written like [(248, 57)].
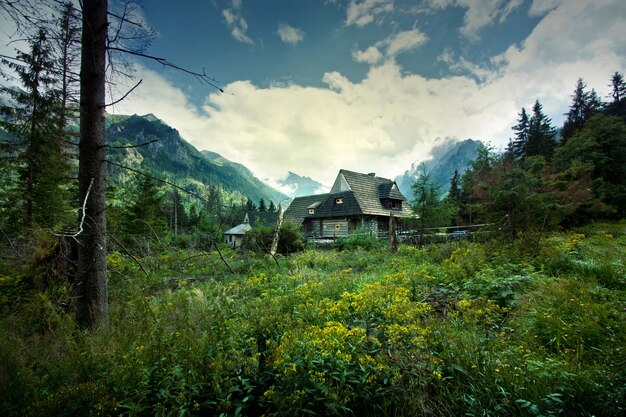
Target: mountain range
[(147, 144), (297, 186), (443, 160)]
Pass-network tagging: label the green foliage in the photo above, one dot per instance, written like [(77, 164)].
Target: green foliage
[(482, 329), (260, 238), (601, 143), (430, 208), (35, 181), (362, 238)]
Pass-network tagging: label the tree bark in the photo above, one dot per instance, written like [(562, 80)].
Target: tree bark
[(393, 239), (279, 222), (92, 302)]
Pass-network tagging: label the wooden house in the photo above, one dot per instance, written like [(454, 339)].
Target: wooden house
[(355, 200)]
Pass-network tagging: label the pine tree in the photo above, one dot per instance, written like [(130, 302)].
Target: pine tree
[(145, 215), (618, 92), (215, 204), (583, 106), (541, 134), (262, 206), (66, 40), (92, 308), (427, 204), (521, 129), (454, 195), (272, 207), (250, 206), (40, 195)]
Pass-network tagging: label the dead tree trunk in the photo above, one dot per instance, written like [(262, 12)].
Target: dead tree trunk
[(279, 223), (393, 239), (92, 308)]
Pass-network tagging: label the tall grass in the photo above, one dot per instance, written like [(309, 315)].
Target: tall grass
[(443, 330)]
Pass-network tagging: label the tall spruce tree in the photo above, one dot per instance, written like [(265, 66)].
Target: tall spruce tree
[(428, 205), (262, 205), (520, 142), (39, 196), (145, 215), (617, 107), (92, 308), (583, 106), (541, 134), (454, 195), (618, 87)]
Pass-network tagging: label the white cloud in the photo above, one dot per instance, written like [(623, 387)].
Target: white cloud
[(462, 66), (389, 119), (290, 34), (479, 14), (370, 56), (541, 7), (393, 45), (405, 41), (236, 23), (364, 13)]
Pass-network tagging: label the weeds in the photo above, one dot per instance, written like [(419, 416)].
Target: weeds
[(442, 330)]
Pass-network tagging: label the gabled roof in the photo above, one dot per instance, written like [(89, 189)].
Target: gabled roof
[(369, 190), (330, 208), (265, 218), (361, 194), (299, 207), (240, 229)]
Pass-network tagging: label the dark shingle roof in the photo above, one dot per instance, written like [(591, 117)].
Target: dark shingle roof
[(299, 207), (330, 208), (369, 190), (364, 197)]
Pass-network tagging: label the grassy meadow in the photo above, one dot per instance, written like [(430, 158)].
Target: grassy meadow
[(533, 328)]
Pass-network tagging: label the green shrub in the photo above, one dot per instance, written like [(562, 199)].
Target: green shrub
[(360, 238)]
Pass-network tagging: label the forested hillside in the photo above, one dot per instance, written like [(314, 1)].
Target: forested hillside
[(154, 147)]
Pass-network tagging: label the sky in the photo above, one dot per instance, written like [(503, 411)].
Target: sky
[(314, 86)]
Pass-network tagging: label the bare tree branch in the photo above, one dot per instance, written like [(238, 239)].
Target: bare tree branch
[(202, 77), (82, 220), (222, 257), (131, 146), (123, 97), (158, 179), (17, 253), (127, 252)]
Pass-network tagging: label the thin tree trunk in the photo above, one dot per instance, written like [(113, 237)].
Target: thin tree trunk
[(279, 223), (92, 302), (393, 239)]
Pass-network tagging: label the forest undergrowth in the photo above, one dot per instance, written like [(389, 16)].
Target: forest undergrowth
[(477, 329)]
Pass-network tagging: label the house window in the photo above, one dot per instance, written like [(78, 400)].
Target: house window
[(339, 200), (394, 204), (311, 211)]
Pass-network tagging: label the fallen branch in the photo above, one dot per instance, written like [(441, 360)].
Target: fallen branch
[(19, 255), (177, 279), (127, 252), (222, 257)]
